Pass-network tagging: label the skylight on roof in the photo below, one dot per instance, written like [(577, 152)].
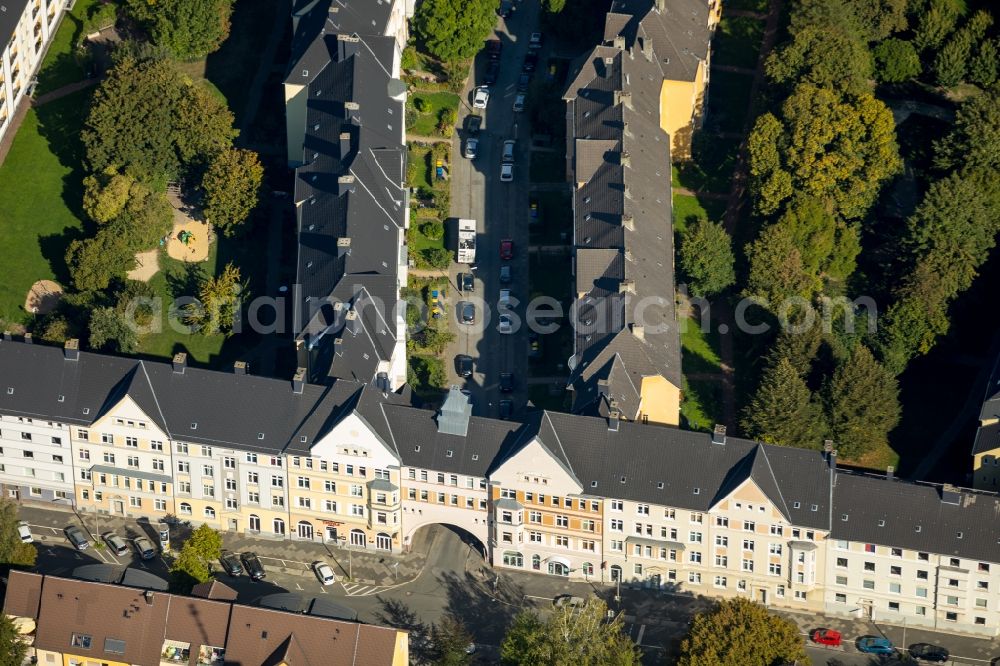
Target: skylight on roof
[(593, 484), (697, 491), (194, 425), (260, 435), (416, 448), (303, 439), (814, 507), (475, 456), (659, 485), (449, 454)]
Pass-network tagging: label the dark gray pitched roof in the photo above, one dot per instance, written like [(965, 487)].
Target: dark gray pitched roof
[(987, 438), (889, 513), (13, 9), (678, 34)]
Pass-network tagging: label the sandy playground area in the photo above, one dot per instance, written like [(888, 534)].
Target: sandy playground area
[(43, 297), (191, 236)]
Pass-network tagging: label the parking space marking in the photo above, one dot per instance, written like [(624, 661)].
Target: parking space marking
[(528, 596)]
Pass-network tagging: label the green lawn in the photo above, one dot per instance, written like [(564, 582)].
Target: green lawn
[(547, 166), (40, 198), (60, 67), (427, 121), (711, 167), (701, 408), (419, 166), (737, 41), (700, 349), (728, 100), (687, 207)]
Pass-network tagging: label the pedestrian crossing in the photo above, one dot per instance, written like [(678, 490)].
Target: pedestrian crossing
[(362, 590)]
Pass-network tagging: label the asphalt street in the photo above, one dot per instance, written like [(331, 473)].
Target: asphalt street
[(501, 212)]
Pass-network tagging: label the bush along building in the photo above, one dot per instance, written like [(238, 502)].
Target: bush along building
[(345, 115), (585, 497)]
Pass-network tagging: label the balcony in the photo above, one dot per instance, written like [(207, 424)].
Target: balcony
[(178, 652)]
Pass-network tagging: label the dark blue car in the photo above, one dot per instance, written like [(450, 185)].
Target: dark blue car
[(875, 645)]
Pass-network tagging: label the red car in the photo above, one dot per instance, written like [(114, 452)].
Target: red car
[(826, 637), (507, 249)]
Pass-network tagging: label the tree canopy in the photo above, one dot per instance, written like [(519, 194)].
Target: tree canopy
[(782, 410), (109, 330), (192, 564), (579, 636), (896, 61), (232, 188), (952, 62), (190, 29), (738, 632), (862, 404), (450, 641), (706, 258), (219, 302), (834, 147), (974, 140), (13, 551), (454, 30), (13, 649)]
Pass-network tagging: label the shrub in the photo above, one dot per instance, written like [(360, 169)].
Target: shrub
[(432, 229)]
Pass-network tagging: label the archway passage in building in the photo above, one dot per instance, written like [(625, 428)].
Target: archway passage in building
[(448, 546)]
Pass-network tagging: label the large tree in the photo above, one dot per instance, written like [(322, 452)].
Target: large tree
[(862, 404), (935, 21), (110, 330), (94, 263), (13, 551), (580, 636), (834, 147), (739, 632), (777, 270), (13, 648), (974, 140), (952, 61), (192, 565), (190, 29), (706, 258), (232, 188), (454, 30), (822, 55), (219, 302), (450, 641), (896, 60), (782, 410)]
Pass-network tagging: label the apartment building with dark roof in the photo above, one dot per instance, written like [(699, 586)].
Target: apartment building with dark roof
[(70, 621)]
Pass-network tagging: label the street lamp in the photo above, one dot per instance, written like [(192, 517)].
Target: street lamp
[(395, 572), (350, 558)]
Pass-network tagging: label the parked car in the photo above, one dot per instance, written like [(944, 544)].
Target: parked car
[(468, 283), (506, 324), (504, 299), (928, 652), (530, 62), (519, 103), (506, 409), (875, 645), (24, 532), (534, 345), (463, 365), (324, 572), (468, 311), (144, 548), (77, 537), (505, 274), (474, 123), (230, 562), (508, 150), (505, 9), (253, 566), (506, 173), (533, 210), (116, 544), (471, 149), (826, 637), (506, 249), (567, 600), (492, 72), (163, 532), (480, 98), (523, 82), (506, 382), (493, 48), (536, 41)]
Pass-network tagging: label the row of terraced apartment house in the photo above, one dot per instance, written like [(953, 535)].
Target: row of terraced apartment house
[(26, 28), (584, 497)]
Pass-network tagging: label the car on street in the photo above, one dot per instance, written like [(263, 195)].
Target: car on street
[(77, 537), (492, 72), (24, 532), (505, 274), (523, 82), (533, 209), (530, 62), (468, 311), (506, 249), (493, 48), (506, 382), (506, 324), (474, 123), (471, 149), (567, 600), (505, 9), (324, 572), (116, 544), (504, 299), (253, 566), (506, 409), (875, 645), (468, 283), (506, 173), (508, 150), (535, 42), (534, 345), (230, 562), (928, 652), (826, 637), (144, 548), (480, 98), (463, 365), (519, 103)]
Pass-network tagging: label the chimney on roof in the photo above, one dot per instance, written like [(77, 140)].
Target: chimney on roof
[(618, 42), (352, 111), (299, 380), (347, 46), (345, 184), (890, 473), (180, 362), (343, 246), (625, 129), (628, 221), (661, 5), (950, 495), (626, 287), (647, 48), (149, 597), (338, 346), (614, 418), (625, 158), (28, 339), (351, 322), (603, 387), (628, 191), (719, 434), (71, 349), (639, 331), (623, 97), (240, 367), (345, 144)]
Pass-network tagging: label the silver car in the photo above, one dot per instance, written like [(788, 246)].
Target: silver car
[(144, 547), (519, 103), (471, 148), (116, 544)]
